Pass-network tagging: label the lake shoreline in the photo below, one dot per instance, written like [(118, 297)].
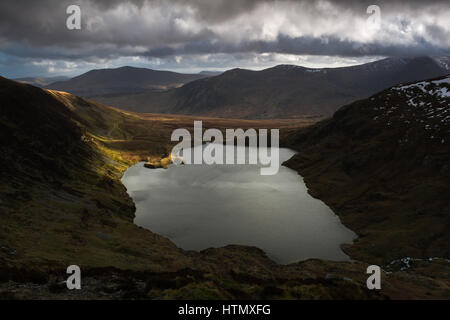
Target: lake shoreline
[(216, 190)]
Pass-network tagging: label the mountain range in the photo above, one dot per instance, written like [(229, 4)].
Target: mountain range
[(284, 91), (124, 80)]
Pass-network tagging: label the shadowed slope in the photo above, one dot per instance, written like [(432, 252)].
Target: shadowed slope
[(383, 165)]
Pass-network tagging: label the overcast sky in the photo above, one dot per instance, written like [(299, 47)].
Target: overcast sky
[(190, 36)]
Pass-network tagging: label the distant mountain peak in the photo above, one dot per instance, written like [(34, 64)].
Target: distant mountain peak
[(234, 70), (123, 80), (287, 67)]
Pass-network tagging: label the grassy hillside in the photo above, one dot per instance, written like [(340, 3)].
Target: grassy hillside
[(61, 198), (62, 203)]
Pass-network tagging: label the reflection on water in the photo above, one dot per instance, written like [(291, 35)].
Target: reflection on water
[(203, 206)]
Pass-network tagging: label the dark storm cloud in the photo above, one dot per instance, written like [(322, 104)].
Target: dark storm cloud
[(163, 29), (42, 23), (303, 46)]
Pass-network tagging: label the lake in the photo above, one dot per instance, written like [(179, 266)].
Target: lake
[(202, 206)]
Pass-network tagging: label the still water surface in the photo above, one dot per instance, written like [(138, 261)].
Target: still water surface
[(203, 206)]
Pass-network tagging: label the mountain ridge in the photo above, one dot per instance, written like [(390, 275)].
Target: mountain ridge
[(122, 80), (283, 91)]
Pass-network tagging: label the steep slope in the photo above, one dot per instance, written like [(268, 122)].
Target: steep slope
[(60, 194), (123, 80), (284, 91), (383, 165)]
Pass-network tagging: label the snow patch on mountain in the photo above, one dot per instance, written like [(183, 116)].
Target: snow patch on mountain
[(439, 88), (424, 104)]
